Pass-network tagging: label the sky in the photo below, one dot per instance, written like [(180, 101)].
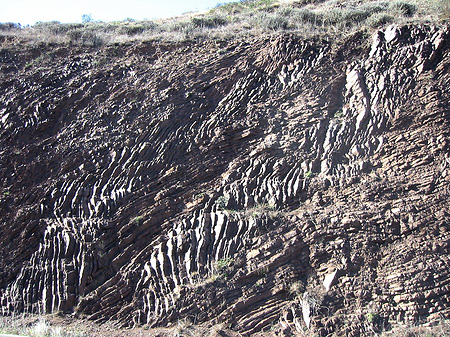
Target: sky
[(28, 12)]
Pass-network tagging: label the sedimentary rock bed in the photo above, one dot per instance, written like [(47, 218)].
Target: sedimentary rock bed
[(273, 181)]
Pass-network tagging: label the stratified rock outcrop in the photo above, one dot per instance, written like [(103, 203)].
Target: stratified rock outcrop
[(270, 182)]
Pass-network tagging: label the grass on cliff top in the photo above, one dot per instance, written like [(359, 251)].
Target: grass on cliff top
[(307, 18)]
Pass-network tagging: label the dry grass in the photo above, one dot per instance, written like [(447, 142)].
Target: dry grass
[(55, 326), (308, 18), (442, 329), (39, 328)]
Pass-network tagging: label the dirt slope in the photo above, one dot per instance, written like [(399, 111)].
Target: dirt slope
[(268, 183)]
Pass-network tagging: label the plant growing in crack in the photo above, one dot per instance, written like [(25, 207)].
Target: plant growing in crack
[(296, 289), (224, 263), (221, 203), (339, 114), (254, 212), (222, 268), (199, 196), (138, 220), (372, 317)]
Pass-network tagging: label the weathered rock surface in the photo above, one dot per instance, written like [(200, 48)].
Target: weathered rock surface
[(271, 181)]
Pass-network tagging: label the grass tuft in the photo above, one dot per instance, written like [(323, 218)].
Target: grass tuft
[(41, 328)]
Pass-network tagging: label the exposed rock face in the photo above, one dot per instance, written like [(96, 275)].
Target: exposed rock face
[(271, 181)]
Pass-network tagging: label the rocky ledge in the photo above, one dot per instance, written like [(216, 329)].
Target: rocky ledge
[(273, 182)]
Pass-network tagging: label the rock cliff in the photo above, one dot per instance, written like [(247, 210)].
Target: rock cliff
[(267, 182)]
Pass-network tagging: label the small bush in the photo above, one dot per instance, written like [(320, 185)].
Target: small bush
[(85, 38), (126, 27), (182, 27), (339, 114), (9, 26), (296, 289), (138, 220), (285, 11), (209, 21), (41, 328), (403, 8), (224, 263), (307, 16), (379, 19), (374, 8), (232, 8), (221, 203), (372, 317), (272, 22), (57, 28), (257, 4), (131, 29), (350, 17), (74, 35), (91, 39), (444, 10)]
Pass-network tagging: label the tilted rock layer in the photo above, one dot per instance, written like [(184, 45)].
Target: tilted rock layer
[(269, 182)]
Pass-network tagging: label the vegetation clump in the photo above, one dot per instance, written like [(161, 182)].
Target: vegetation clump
[(41, 328), (224, 263), (244, 18)]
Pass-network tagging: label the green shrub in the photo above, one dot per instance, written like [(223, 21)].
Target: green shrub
[(209, 21), (285, 11), (372, 317), (138, 220), (403, 8), (57, 28), (131, 29), (379, 19), (339, 114), (91, 39), (349, 17), (296, 289), (182, 27), (84, 38), (343, 17), (307, 16), (271, 21), (221, 203), (74, 35), (224, 263), (374, 8)]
